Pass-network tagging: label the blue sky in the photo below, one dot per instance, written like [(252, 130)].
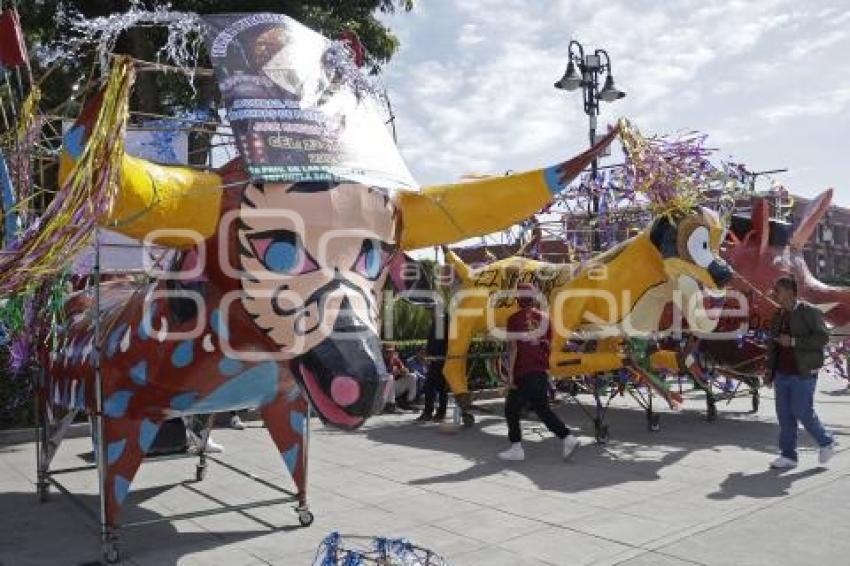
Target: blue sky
[(768, 80)]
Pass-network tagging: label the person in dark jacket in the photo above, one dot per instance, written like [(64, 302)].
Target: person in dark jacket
[(798, 335), (435, 384)]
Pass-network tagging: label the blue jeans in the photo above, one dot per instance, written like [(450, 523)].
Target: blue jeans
[(795, 403)]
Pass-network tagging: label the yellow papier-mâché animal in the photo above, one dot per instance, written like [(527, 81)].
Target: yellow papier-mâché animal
[(617, 294)]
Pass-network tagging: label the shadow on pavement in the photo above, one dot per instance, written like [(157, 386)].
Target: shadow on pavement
[(633, 455), (761, 485), (58, 532)]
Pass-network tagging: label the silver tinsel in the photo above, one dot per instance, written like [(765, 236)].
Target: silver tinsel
[(338, 58), (181, 48)]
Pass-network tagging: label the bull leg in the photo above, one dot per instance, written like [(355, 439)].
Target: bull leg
[(287, 419), (51, 430), (455, 367), (120, 448)]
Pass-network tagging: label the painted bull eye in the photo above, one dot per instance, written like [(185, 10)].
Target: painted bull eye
[(698, 247), (370, 261), (281, 251)]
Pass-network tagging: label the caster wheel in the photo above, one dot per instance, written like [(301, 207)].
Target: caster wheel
[(111, 554), (602, 435), (468, 419), (43, 492), (305, 517), (200, 473), (756, 401), (654, 423), (711, 413)]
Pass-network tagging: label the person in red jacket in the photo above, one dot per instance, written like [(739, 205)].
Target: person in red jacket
[(529, 339)]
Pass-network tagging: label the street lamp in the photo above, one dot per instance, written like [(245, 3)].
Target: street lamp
[(583, 71)]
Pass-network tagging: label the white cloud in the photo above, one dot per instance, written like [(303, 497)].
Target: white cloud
[(474, 92), (822, 104), (808, 46), (469, 36)]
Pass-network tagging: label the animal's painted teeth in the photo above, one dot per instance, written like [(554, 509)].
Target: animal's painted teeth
[(207, 344)]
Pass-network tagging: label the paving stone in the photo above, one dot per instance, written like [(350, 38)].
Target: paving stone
[(696, 492)]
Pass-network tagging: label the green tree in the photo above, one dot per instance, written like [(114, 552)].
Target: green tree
[(159, 91)]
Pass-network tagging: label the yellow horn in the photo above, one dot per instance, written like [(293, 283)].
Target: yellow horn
[(448, 213), (150, 197)]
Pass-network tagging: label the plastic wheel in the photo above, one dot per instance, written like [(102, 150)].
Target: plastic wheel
[(43, 492), (602, 435), (200, 473), (711, 411), (110, 553), (654, 422), (305, 517), (468, 419)]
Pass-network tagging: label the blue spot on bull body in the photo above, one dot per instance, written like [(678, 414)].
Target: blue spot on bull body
[(115, 339), (147, 433), (229, 366), (296, 421), (254, 387), (183, 401), (114, 451), (290, 458), (120, 487), (216, 324), (139, 372), (183, 354), (116, 405)]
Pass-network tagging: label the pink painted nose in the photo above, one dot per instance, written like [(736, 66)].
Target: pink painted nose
[(345, 391)]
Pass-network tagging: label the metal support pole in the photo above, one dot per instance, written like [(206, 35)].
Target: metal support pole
[(305, 517), (595, 197), (306, 451), (100, 440)]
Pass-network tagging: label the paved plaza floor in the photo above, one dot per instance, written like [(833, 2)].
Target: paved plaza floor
[(693, 493)]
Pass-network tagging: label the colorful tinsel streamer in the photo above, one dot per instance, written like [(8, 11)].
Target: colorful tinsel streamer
[(674, 174), (44, 248), (19, 153)]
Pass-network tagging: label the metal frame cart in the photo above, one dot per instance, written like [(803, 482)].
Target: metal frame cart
[(51, 429)]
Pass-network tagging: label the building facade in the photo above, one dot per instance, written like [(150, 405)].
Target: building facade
[(827, 252)]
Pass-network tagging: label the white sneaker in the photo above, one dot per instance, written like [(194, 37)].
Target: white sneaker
[(213, 447), (515, 453), (570, 445), (783, 463), (236, 423), (826, 453)]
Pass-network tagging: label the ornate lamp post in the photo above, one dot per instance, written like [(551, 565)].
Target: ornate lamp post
[(584, 71)]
